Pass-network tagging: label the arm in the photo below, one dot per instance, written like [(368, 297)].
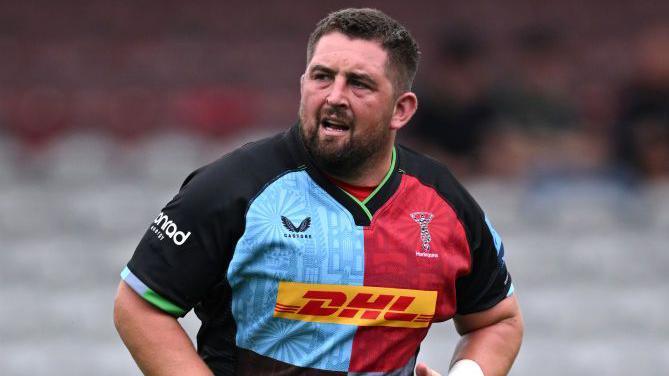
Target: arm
[(155, 339), (491, 338)]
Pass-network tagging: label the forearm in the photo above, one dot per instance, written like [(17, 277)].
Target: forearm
[(493, 347), (155, 340)]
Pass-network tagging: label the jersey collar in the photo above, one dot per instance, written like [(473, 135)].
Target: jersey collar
[(362, 211)]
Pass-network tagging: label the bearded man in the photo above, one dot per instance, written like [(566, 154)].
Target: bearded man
[(327, 249)]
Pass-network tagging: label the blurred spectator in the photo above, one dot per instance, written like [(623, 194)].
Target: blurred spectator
[(533, 107), (643, 126), (454, 109), (537, 98), (596, 112)]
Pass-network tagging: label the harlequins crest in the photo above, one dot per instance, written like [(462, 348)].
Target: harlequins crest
[(423, 219)]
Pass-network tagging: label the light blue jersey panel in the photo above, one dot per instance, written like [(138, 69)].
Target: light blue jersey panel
[(316, 241)]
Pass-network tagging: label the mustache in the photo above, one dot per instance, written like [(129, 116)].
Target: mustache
[(336, 113)]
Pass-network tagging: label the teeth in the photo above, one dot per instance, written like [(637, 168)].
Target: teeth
[(333, 124)]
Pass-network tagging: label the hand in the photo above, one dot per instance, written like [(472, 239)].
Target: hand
[(423, 370)]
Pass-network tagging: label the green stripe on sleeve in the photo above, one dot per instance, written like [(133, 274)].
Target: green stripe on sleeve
[(162, 303), (149, 295)]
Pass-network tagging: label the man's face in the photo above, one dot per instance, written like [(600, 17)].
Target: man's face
[(347, 103)]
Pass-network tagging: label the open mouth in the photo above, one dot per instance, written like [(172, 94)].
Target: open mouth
[(334, 125)]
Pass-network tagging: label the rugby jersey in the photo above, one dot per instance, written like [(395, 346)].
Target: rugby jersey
[(290, 274)]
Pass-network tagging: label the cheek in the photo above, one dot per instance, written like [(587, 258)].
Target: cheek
[(370, 112), (312, 100)]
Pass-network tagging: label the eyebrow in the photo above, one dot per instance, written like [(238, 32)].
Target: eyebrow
[(319, 67), (358, 76)]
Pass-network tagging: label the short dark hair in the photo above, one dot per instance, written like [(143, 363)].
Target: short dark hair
[(374, 25)]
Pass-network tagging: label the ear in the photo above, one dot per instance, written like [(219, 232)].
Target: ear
[(405, 106), (301, 81)]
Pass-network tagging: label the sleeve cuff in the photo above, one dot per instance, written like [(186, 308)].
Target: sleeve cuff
[(149, 295), (511, 290)]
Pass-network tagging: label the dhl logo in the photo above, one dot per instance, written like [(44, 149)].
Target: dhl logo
[(355, 305)]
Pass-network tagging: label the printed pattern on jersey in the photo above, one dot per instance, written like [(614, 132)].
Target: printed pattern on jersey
[(330, 251), (311, 297)]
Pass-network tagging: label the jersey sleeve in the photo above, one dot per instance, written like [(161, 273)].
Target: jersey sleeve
[(489, 281), (186, 249)]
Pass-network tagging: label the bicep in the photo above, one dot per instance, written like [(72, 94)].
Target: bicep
[(154, 338), (128, 305), (506, 310)]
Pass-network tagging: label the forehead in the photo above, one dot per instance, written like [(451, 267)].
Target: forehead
[(338, 51)]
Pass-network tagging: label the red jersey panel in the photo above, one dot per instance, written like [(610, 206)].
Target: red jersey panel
[(415, 241)]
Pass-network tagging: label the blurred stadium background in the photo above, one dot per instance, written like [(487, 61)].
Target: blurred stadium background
[(556, 115)]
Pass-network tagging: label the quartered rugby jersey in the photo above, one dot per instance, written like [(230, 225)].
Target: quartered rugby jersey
[(290, 274)]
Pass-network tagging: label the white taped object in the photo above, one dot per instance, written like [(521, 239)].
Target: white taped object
[(465, 367)]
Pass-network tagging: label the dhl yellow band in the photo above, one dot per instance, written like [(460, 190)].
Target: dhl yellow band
[(355, 305)]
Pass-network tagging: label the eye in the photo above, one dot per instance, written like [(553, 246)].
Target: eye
[(320, 76), (359, 84)]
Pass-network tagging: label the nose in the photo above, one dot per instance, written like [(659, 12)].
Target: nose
[(337, 95)]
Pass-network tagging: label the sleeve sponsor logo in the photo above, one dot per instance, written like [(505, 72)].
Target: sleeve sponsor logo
[(162, 226), (355, 305)]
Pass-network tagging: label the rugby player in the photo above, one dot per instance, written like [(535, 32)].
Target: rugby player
[(327, 249)]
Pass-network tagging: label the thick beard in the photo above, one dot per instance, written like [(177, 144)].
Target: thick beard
[(348, 160)]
